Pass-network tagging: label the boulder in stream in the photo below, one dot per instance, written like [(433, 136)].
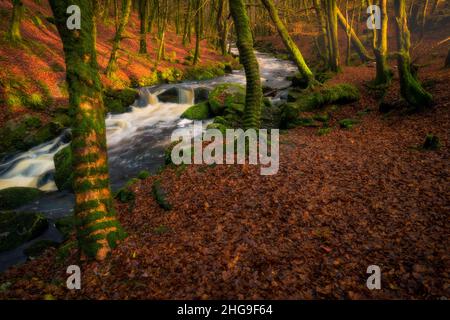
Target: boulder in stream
[(14, 197), (17, 228)]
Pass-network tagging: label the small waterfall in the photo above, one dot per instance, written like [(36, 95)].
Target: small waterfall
[(152, 99), (186, 95)]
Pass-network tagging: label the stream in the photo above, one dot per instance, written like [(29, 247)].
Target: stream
[(136, 141)]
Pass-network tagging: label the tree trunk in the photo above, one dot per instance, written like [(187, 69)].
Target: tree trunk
[(16, 18), (143, 15), (198, 17), (98, 229), (112, 64), (253, 99), (323, 43), (359, 47), (332, 29), (410, 87), (289, 43), (383, 75)]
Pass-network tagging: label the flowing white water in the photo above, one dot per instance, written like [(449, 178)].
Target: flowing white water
[(136, 138)]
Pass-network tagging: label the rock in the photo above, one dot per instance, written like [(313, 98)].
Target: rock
[(18, 228), (199, 111), (169, 96), (348, 123), (224, 96), (63, 169), (118, 101), (66, 226), (201, 95), (15, 197), (37, 248)]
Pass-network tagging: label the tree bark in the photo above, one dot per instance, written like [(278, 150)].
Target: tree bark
[(334, 61), (112, 64), (98, 229), (410, 87), (143, 16), (253, 99), (383, 74)]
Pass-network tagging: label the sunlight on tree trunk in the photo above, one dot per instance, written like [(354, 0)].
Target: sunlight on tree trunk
[(411, 89), (383, 74), (357, 44), (332, 30), (289, 43), (253, 100), (98, 229)]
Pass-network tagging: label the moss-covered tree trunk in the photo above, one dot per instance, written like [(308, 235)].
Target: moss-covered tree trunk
[(411, 89), (222, 27), (143, 16), (332, 28), (253, 100), (98, 229), (16, 18), (289, 43), (198, 17), (383, 74), (112, 64), (357, 44), (323, 39)]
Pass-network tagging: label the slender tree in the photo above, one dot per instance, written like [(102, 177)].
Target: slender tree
[(98, 229), (357, 44), (384, 73), (332, 31), (253, 100), (411, 89), (198, 17), (14, 33), (143, 16), (289, 43), (112, 64)]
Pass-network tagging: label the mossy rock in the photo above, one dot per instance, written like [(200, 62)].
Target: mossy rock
[(37, 248), (15, 197), (224, 96), (63, 169), (125, 195), (118, 101), (32, 122), (66, 226), (431, 142), (24, 133), (160, 196), (144, 174), (313, 99), (348, 123), (197, 112), (18, 228)]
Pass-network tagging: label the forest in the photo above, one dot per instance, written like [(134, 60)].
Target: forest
[(137, 138)]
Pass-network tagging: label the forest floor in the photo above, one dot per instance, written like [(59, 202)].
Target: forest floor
[(339, 203)]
